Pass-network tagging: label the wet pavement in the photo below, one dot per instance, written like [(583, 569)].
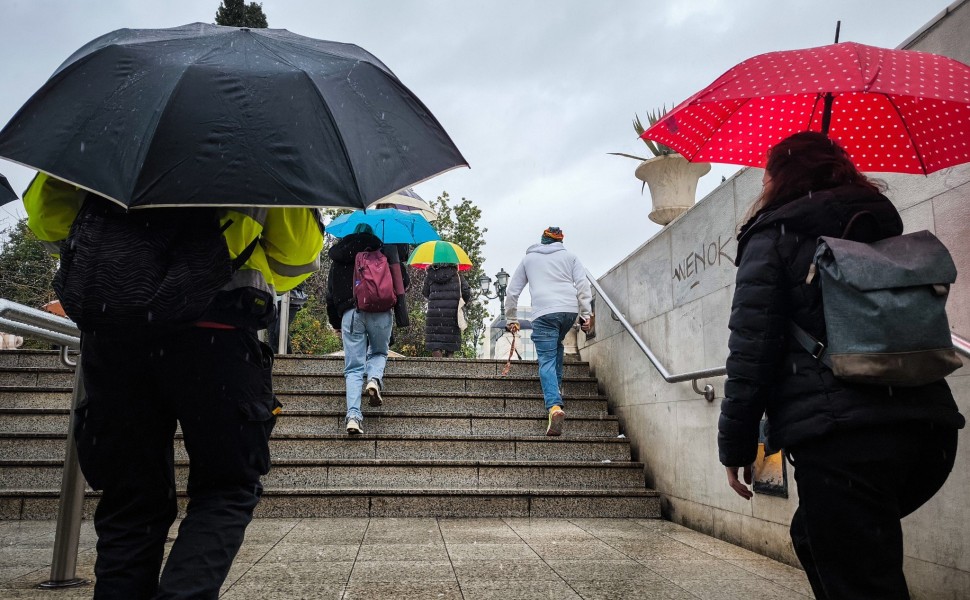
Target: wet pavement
[(449, 559)]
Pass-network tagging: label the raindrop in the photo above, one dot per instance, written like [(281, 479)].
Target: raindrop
[(782, 229), (104, 307), (94, 441), (794, 369), (82, 147)]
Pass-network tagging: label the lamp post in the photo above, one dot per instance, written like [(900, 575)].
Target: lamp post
[(501, 284)]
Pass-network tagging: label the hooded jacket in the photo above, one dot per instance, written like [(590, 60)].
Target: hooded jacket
[(340, 279), (443, 286), (768, 371), (556, 279)]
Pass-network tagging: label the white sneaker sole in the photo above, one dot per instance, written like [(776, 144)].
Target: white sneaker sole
[(556, 423)]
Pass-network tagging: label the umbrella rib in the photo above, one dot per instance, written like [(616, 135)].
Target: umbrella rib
[(909, 133), (340, 138)]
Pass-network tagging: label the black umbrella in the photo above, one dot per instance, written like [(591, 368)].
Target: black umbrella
[(6, 192), (210, 115)]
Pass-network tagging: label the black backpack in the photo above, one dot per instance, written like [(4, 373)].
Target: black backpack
[(885, 309), (153, 267)]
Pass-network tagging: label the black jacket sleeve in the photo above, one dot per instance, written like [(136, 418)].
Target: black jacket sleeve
[(758, 323), (333, 315), (466, 290)]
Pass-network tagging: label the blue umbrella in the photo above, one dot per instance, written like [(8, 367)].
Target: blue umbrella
[(391, 225)]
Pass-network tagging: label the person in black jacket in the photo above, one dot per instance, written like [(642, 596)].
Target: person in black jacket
[(366, 336), (865, 456), (443, 286)]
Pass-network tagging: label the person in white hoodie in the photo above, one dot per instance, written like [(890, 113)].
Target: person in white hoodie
[(560, 292)]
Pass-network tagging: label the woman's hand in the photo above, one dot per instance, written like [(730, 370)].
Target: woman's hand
[(741, 489)]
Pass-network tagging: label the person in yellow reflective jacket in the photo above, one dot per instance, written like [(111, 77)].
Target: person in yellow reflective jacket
[(212, 377)]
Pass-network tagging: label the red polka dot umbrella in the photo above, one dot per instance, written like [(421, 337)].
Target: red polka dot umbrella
[(897, 111)]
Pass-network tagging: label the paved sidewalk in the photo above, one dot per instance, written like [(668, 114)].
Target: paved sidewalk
[(448, 559)]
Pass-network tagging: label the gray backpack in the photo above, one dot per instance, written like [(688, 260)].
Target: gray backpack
[(885, 310)]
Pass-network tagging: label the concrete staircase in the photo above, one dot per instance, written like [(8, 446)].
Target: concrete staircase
[(454, 438)]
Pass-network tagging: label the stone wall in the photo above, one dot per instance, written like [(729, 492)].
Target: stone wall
[(676, 291)]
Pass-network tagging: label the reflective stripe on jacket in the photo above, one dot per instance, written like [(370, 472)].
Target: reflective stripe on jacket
[(290, 238)]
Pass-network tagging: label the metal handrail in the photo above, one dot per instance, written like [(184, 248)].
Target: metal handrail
[(960, 344), (692, 376), (45, 326)]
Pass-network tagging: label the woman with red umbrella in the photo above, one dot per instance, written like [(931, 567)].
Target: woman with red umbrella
[(865, 455)]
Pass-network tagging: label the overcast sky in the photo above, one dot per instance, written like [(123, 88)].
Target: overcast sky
[(534, 94)]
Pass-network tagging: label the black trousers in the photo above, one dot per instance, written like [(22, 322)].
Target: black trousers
[(853, 488), (217, 385)]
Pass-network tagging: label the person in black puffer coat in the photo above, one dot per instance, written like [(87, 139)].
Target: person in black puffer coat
[(864, 455), (443, 285)]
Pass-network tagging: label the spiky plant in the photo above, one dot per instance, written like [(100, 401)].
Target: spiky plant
[(656, 149)]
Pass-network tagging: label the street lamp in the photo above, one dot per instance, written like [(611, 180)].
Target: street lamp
[(501, 284)]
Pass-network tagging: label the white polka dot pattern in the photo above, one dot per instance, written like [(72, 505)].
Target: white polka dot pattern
[(895, 111)]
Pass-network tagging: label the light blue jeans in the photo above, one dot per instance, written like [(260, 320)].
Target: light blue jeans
[(366, 337), (548, 332)]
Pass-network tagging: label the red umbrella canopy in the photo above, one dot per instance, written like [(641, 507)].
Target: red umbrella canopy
[(896, 111)]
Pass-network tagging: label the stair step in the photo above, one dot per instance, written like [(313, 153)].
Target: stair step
[(45, 475), (50, 446), (45, 377), (425, 367), (55, 420), (561, 503), (26, 397), (453, 438), (301, 364)]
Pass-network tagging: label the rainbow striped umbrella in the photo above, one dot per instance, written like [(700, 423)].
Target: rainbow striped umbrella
[(438, 252)]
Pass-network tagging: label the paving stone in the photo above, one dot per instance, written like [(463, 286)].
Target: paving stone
[(518, 590)]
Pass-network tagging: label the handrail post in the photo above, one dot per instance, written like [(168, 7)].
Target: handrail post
[(284, 321), (68, 531)]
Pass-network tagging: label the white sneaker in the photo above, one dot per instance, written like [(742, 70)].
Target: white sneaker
[(354, 428), (373, 390)]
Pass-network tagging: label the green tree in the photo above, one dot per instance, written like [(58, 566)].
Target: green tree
[(236, 13), (26, 270)]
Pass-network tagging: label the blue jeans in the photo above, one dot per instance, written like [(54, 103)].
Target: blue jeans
[(366, 337), (548, 332)]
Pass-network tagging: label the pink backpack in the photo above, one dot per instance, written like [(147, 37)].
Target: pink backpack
[(373, 285)]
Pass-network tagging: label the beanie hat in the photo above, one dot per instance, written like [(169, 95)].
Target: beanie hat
[(551, 234)]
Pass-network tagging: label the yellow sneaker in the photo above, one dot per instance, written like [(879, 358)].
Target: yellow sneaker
[(557, 416)]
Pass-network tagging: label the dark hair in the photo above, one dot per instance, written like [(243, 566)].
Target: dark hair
[(807, 162)]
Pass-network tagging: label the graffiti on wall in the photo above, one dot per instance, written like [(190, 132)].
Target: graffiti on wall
[(708, 254)]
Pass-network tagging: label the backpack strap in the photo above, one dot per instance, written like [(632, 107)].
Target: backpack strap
[(810, 344), (243, 256), (240, 260)]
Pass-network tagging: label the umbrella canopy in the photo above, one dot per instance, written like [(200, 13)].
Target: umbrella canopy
[(896, 111), (6, 191), (408, 201), (440, 252), (389, 224), (209, 115)]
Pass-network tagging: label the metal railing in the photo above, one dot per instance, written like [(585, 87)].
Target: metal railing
[(692, 376), (960, 344), (37, 324)]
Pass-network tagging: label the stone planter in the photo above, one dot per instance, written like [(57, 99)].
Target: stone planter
[(673, 184)]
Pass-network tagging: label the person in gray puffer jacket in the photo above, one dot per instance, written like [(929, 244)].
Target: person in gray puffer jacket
[(443, 286)]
